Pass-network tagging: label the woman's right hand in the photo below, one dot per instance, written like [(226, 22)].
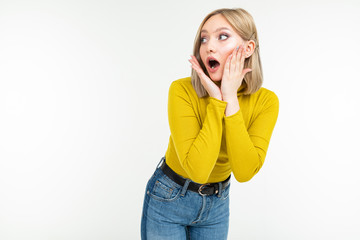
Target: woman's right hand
[(212, 89)]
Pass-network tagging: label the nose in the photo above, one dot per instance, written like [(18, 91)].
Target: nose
[(211, 46)]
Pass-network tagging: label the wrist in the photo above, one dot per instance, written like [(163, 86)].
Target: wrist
[(232, 107), (232, 102), (217, 96), (230, 98)]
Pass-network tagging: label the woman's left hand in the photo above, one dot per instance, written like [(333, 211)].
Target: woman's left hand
[(234, 73)]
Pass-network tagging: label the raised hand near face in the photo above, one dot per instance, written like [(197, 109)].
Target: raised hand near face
[(212, 89), (234, 73), (232, 76)]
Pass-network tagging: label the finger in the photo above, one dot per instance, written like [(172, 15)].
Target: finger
[(199, 71), (195, 62), (245, 71), (195, 65), (238, 59), (242, 60), (195, 68), (233, 59), (227, 66)]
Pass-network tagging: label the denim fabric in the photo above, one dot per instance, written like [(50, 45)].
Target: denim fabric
[(171, 211)]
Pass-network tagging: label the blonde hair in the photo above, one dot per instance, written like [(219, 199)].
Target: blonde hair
[(243, 23)]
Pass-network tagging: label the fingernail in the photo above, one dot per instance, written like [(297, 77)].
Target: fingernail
[(237, 48)]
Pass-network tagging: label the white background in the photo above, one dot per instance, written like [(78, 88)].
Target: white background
[(83, 116)]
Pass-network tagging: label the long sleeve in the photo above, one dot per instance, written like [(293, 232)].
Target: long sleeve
[(247, 147), (197, 144)]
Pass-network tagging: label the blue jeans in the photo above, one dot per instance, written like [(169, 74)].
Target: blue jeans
[(173, 212)]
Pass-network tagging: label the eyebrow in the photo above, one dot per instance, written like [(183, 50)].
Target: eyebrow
[(217, 30)]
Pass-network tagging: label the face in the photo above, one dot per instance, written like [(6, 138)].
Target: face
[(218, 40)]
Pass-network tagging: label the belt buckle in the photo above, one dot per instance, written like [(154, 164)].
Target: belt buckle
[(200, 189), (204, 194)]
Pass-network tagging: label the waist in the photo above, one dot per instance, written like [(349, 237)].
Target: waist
[(202, 189), (221, 169)]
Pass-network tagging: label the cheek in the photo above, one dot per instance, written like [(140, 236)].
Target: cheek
[(202, 54), (227, 50), (229, 47)]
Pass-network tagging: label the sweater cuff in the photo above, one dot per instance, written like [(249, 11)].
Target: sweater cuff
[(237, 117), (217, 102)]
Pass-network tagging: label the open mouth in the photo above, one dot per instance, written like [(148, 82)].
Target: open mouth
[(213, 63)]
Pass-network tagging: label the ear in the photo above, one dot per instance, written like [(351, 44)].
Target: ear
[(250, 48)]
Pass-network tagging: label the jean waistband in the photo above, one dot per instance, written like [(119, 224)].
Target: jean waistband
[(202, 189)]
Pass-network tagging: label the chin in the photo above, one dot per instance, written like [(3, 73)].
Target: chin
[(215, 78)]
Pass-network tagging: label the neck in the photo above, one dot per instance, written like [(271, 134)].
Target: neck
[(218, 83)]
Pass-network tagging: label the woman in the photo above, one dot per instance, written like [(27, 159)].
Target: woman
[(221, 121)]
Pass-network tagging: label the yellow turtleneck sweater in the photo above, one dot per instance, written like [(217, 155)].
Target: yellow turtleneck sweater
[(206, 146)]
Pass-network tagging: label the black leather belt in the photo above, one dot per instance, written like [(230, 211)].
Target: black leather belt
[(202, 189)]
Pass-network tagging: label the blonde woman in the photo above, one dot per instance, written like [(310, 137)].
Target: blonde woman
[(221, 121)]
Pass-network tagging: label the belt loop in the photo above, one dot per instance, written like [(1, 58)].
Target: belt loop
[(161, 161), (220, 189), (185, 187)]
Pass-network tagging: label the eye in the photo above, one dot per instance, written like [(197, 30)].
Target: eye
[(223, 37), (203, 40)]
